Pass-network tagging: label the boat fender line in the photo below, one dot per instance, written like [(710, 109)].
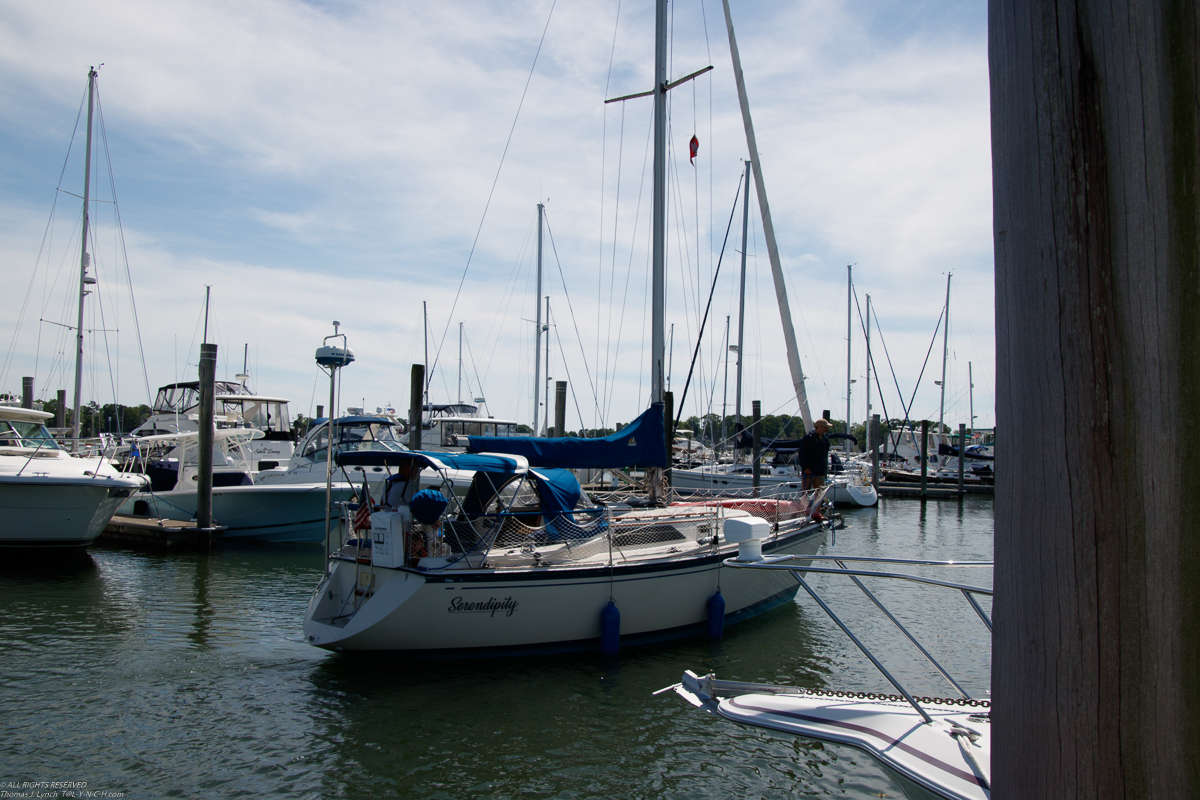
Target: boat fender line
[(610, 629), (716, 615)]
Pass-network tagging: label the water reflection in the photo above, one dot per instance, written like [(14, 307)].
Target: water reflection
[(572, 725), (186, 674)]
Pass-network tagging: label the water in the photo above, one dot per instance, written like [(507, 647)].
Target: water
[(185, 675)]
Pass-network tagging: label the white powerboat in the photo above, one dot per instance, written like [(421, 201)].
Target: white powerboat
[(176, 409), (444, 428), (245, 508), (351, 434), (49, 498), (939, 746)]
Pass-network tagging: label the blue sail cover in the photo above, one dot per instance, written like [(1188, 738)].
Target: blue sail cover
[(641, 443)]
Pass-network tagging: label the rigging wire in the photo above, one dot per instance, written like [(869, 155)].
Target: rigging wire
[(571, 386), (887, 355), (616, 202), (491, 192), (704, 321), (629, 274), (43, 249), (571, 308), (124, 252)]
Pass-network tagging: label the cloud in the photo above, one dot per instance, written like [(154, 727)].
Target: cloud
[(314, 162)]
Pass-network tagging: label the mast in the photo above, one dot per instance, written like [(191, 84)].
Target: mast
[(425, 364), (548, 366), (725, 398), (971, 396), (460, 331), (84, 261), (785, 314), (537, 347), (849, 299), (945, 356), (868, 423), (658, 286), (742, 295)]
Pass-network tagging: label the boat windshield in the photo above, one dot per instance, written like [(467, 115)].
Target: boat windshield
[(265, 415), (451, 429), (178, 398), (354, 437), (26, 434)]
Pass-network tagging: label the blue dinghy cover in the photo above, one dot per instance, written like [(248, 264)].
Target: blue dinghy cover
[(641, 443), (427, 506)]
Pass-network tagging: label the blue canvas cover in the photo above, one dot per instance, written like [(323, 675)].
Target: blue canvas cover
[(427, 506), (641, 443), (396, 458), (558, 489)]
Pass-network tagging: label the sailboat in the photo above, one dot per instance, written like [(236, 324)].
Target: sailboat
[(524, 562), (47, 497)]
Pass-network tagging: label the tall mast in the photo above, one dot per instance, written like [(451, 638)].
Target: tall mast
[(537, 347), (548, 366), (849, 298), (725, 398), (658, 273), (742, 295), (84, 261), (425, 365), (971, 396), (868, 437), (945, 356), (785, 313), (460, 330)]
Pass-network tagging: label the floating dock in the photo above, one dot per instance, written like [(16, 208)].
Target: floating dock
[(934, 491), (150, 532)]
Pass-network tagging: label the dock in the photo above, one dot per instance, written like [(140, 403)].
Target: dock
[(933, 491), (157, 533)]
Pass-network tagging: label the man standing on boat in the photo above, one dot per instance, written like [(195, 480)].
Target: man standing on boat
[(814, 455)]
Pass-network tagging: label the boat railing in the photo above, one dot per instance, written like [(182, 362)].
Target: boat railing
[(614, 534), (595, 535), (855, 574)]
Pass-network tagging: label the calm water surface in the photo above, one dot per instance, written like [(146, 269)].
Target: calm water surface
[(185, 675)]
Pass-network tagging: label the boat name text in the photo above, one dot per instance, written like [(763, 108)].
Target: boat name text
[(506, 606)]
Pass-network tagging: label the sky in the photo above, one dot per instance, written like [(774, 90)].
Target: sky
[(380, 164)]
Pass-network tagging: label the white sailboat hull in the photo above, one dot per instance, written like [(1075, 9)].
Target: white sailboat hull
[(537, 608), (850, 493)]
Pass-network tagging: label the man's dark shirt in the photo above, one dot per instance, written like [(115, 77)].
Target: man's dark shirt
[(814, 453)]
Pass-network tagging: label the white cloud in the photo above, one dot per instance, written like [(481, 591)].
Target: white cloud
[(313, 163)]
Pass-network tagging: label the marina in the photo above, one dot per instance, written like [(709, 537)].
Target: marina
[(432, 604), (187, 673)]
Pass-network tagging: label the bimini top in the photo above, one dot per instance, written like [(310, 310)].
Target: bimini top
[(641, 443), (511, 465), (24, 414)]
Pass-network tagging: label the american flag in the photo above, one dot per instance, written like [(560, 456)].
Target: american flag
[(362, 517)]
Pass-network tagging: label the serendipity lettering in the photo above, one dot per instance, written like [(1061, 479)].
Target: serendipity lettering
[(490, 606)]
